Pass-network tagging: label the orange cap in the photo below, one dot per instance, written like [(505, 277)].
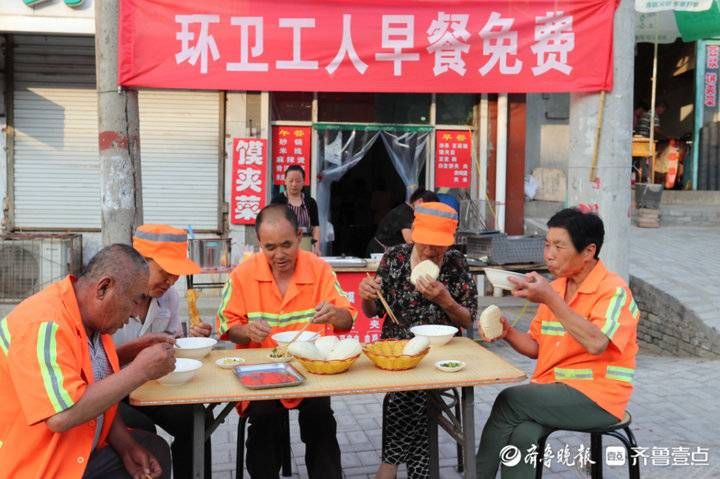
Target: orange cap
[(167, 246), (435, 224)]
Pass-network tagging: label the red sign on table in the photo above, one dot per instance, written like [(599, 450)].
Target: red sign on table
[(365, 330), (368, 46), (453, 157), (290, 146), (247, 195)]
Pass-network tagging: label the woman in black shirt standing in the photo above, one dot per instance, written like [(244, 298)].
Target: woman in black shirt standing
[(304, 207)]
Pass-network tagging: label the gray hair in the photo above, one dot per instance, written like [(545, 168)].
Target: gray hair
[(119, 261)]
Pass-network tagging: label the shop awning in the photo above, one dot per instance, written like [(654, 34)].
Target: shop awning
[(406, 46)]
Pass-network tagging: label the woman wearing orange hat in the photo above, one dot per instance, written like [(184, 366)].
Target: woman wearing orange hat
[(165, 249), (450, 299)]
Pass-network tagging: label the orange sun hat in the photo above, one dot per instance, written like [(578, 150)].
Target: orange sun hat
[(435, 224), (167, 246)]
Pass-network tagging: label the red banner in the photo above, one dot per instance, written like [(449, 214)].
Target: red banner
[(290, 146), (453, 158), (368, 46), (248, 186), (365, 330)]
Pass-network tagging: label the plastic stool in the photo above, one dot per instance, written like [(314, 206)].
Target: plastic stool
[(596, 448), (285, 452)]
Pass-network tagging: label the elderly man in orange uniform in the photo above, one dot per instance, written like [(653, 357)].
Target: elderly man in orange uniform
[(281, 289), (61, 382), (584, 339)]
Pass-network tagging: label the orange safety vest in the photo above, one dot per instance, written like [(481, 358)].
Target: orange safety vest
[(252, 294), (45, 368), (607, 379)]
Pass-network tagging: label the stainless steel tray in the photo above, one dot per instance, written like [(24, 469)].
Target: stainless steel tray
[(266, 375)]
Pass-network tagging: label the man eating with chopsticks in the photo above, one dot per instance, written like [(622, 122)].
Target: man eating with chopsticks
[(165, 250), (283, 288)]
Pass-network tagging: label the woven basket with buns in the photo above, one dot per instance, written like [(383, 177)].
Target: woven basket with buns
[(334, 366), (388, 355)]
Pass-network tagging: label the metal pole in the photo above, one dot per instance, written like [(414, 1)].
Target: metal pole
[(652, 113), (118, 134), (501, 161)]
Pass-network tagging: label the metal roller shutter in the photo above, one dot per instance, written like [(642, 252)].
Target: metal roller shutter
[(179, 135), (56, 174)]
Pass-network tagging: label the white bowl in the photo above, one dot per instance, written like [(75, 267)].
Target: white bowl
[(445, 365), (499, 277), (437, 334), (287, 336), (184, 371), (229, 362), (194, 348)]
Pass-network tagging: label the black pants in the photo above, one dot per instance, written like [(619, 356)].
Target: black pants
[(178, 422), (317, 430), (104, 463)]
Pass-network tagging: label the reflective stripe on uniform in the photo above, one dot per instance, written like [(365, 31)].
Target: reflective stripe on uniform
[(571, 373), (620, 374), (50, 371), (226, 295), (338, 288), (552, 328), (612, 315), (281, 320), (4, 335), (634, 310), (162, 237)]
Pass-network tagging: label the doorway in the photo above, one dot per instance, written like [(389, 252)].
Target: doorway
[(361, 198)]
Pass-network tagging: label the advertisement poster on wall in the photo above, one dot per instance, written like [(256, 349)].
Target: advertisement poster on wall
[(453, 157), (248, 184), (290, 146)]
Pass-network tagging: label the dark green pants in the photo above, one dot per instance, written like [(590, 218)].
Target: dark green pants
[(522, 415)]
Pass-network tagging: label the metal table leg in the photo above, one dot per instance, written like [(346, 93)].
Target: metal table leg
[(434, 454), (198, 441), (468, 420)]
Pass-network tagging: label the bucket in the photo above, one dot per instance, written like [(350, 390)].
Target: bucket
[(210, 252), (648, 195)]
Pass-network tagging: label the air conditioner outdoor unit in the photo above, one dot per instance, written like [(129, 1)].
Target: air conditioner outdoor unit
[(29, 263)]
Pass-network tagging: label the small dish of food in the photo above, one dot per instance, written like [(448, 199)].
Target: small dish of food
[(229, 362), (280, 355), (450, 365)]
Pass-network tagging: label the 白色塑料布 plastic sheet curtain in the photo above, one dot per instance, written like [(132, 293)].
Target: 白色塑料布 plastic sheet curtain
[(341, 146)]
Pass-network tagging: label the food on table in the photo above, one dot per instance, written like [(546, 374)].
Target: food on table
[(416, 345), (450, 364), (193, 311), (267, 378), (305, 349), (345, 349), (490, 322), (424, 268), (278, 353), (325, 344), (230, 361)]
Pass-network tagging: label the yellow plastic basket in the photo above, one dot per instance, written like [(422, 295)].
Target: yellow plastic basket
[(334, 366), (387, 354)]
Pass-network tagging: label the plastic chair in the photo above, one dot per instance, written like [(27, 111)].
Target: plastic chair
[(616, 430), (285, 451)]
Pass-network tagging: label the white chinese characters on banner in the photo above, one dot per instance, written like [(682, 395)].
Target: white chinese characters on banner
[(447, 39), (248, 189)]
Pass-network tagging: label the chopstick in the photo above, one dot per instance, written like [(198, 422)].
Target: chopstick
[(304, 328), (386, 305)]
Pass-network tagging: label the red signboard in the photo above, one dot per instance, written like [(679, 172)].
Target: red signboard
[(453, 156), (371, 45), (247, 196), (290, 146), (365, 329)]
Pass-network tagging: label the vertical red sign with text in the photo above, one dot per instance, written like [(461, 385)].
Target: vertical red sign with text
[(453, 157), (248, 184), (290, 146), (365, 330)]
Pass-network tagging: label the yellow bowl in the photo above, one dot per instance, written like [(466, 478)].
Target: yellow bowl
[(334, 366), (387, 354)]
